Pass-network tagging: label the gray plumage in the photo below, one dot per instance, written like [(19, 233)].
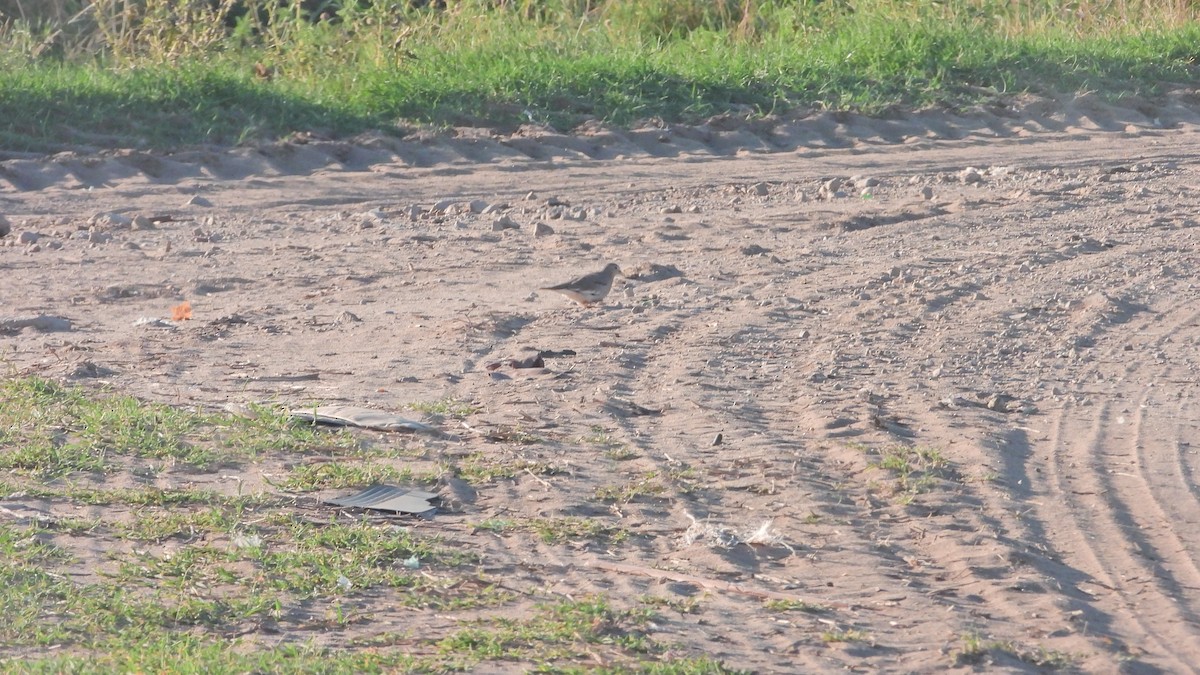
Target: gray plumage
[(589, 288)]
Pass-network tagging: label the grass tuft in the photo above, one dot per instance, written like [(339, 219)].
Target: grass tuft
[(916, 469)]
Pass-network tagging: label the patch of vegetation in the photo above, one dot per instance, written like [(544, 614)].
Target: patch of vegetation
[(157, 526), (158, 73), (566, 630), (845, 635), (446, 407), (598, 435), (916, 469), (648, 485), (689, 605), (557, 530), (976, 649), (350, 474), (144, 496), (479, 468), (794, 606), (52, 430), (613, 448), (685, 478), (187, 653), (514, 435), (266, 429), (173, 573), (497, 525), (621, 453)]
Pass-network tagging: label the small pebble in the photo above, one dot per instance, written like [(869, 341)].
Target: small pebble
[(372, 216), (970, 175), (831, 189), (504, 223), (112, 221)]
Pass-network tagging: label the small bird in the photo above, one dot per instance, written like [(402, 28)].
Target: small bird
[(589, 288)]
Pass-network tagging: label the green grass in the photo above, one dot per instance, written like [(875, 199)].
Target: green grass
[(555, 632), (348, 474), (793, 606), (480, 468), (975, 649), (916, 469), (146, 496), (53, 431), (613, 448), (558, 530), (646, 486), (177, 78), (179, 577), (682, 605), (184, 653), (846, 635), (446, 407)]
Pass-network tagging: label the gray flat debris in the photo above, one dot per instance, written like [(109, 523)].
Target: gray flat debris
[(388, 498), (155, 322), (41, 322), (366, 418)]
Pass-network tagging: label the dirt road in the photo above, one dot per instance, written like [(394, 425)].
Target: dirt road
[(963, 419)]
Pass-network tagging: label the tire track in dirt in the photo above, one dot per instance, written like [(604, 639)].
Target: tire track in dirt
[(1108, 511), (658, 522), (1020, 539), (764, 450), (1024, 534), (1184, 474), (1167, 504), (1086, 536), (739, 494)]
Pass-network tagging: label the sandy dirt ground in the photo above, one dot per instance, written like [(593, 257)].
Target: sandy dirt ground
[(1006, 300)]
